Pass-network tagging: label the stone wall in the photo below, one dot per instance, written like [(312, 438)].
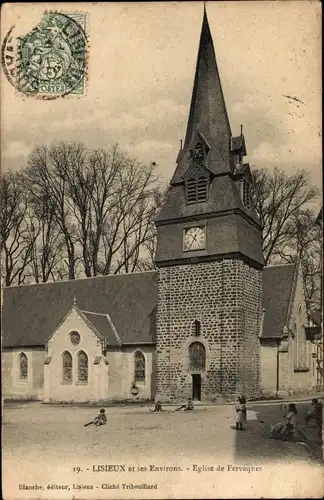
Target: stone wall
[(32, 387), (226, 297), (121, 373), (269, 354)]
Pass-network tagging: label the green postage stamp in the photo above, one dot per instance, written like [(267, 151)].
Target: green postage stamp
[(49, 61)]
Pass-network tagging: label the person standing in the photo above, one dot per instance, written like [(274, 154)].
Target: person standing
[(240, 409), (243, 400)]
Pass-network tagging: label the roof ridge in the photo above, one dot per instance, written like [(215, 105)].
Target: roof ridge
[(113, 328), (91, 325), (78, 279), (90, 312)]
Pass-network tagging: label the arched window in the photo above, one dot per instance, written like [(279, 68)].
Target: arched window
[(246, 193), (139, 367), (67, 367), (23, 366), (197, 189), (197, 356), (82, 367)]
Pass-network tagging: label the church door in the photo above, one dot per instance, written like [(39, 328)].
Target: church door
[(196, 387)]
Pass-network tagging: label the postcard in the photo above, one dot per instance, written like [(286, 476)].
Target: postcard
[(161, 250)]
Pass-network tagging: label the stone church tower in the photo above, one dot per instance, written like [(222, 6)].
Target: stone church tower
[(209, 256)]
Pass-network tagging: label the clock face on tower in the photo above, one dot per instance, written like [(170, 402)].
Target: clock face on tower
[(194, 238)]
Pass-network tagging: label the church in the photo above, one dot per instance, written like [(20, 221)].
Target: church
[(211, 322)]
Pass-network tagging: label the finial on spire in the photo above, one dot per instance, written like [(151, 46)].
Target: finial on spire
[(241, 129), (180, 144), (204, 7)]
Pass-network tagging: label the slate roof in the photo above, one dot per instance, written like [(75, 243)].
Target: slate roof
[(31, 313), (104, 326), (238, 143), (223, 195), (208, 113), (278, 284)]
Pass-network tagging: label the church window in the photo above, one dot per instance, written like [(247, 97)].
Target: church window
[(67, 367), (139, 367), (197, 327), (75, 338), (246, 193), (197, 356), (197, 190), (82, 366), (23, 366)]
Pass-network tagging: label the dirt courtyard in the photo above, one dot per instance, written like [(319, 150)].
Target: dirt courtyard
[(176, 452)]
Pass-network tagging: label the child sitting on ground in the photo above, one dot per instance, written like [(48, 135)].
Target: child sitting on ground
[(188, 407), (157, 407), (240, 409), (286, 430), (101, 419)]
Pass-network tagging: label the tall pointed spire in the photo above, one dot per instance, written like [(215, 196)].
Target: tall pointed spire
[(208, 112), (207, 186)]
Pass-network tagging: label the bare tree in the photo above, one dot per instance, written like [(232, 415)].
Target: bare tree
[(102, 201), (146, 261), (277, 199), (49, 171), (16, 241), (48, 245), (304, 239), (127, 218)]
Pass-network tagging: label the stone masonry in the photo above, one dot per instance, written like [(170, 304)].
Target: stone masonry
[(226, 297)]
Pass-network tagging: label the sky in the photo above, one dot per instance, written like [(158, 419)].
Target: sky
[(141, 64)]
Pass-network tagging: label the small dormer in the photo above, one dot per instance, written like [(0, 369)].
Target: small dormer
[(244, 184), (199, 149), (238, 149)]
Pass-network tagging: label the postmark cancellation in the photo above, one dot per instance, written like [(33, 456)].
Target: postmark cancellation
[(50, 61)]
